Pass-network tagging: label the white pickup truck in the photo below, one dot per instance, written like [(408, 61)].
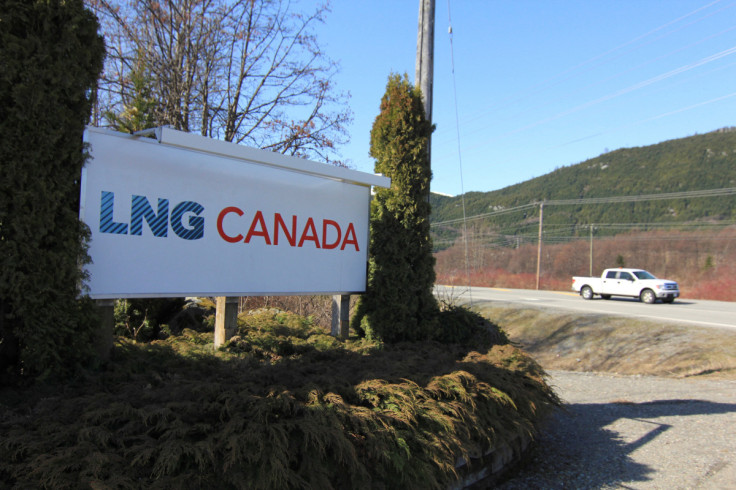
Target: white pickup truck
[(636, 283)]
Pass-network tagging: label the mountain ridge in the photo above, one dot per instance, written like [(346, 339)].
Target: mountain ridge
[(699, 162)]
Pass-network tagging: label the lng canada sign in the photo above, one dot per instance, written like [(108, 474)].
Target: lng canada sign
[(185, 215)]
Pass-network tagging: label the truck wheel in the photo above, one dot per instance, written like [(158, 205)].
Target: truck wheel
[(586, 292), (647, 296)]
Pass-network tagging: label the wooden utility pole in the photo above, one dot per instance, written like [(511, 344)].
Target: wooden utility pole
[(539, 245), (590, 272), (424, 76)]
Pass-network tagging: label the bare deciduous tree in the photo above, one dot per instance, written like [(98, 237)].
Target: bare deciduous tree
[(247, 71)]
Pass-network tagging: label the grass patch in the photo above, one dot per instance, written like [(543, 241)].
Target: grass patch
[(283, 405), (599, 343)]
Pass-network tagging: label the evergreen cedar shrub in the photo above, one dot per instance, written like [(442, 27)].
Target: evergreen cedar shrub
[(282, 405), (398, 304), (50, 58)]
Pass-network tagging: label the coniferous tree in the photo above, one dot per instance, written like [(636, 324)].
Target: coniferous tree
[(399, 304), (50, 58), (141, 318), (139, 107)]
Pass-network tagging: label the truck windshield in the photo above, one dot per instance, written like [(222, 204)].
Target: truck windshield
[(644, 275)]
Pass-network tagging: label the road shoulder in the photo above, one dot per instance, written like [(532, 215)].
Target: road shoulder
[(635, 432)]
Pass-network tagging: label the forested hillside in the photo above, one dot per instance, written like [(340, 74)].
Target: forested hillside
[(706, 161), (687, 239)]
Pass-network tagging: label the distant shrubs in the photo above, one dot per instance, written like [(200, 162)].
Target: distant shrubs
[(282, 405), (700, 261), (718, 287)]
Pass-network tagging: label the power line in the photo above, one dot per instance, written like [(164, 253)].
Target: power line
[(486, 215), (644, 197), (459, 151), (727, 191), (553, 229), (502, 241), (618, 93), (594, 61), (681, 224)]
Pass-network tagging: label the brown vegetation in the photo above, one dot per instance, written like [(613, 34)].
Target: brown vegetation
[(702, 262), (601, 343)]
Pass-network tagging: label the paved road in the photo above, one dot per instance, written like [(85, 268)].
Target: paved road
[(717, 314)]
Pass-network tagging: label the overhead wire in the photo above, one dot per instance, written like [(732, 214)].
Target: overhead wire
[(502, 241), (647, 226), (726, 191), (655, 117), (511, 234), (618, 93), (638, 86), (459, 152), (485, 215), (610, 96), (568, 73)]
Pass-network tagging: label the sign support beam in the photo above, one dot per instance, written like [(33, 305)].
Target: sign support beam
[(226, 319), (104, 338), (340, 316)]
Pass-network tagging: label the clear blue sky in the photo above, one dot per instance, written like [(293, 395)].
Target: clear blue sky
[(540, 84)]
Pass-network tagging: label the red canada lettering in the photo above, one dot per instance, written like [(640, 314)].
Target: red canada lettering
[(350, 232), (331, 237), (279, 221), (312, 236), (325, 224), (263, 231), (221, 217)]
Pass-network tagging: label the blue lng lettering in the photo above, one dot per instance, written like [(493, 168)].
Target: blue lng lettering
[(195, 231), (141, 208), (107, 225), (158, 221)]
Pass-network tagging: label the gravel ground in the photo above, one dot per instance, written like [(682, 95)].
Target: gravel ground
[(635, 432)]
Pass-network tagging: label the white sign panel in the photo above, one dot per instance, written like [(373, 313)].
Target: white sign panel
[(204, 220)]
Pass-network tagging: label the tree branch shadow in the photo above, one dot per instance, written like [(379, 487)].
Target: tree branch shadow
[(580, 447)]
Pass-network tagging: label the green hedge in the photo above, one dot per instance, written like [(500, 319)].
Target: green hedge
[(50, 58), (283, 405)]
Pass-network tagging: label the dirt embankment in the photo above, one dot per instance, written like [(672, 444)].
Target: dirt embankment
[(600, 343)]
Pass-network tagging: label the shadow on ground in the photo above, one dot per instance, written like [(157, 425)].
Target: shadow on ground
[(589, 445)]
